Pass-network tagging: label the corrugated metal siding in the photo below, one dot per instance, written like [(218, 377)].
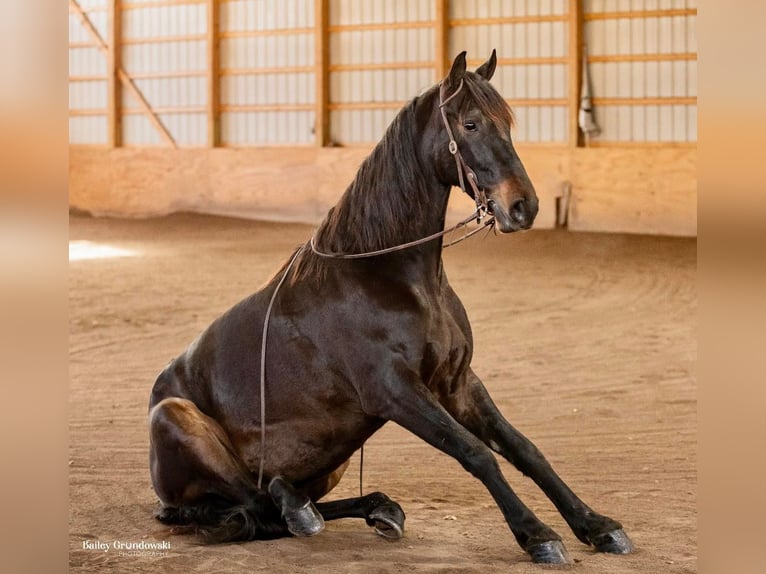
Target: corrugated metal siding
[(87, 73), (261, 105), (636, 80), (526, 86), (146, 50), (367, 87)]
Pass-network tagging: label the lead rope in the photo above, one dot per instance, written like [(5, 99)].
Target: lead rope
[(263, 364), (481, 210)]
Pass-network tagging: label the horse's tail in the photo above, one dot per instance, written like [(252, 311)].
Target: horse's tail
[(216, 520)]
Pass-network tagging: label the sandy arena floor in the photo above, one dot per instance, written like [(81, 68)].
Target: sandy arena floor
[(587, 343)]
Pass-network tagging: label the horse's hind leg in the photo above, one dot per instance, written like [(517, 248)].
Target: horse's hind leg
[(200, 479), (473, 408), (376, 508), (379, 511)]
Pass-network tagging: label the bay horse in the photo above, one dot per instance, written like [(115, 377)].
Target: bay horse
[(353, 344)]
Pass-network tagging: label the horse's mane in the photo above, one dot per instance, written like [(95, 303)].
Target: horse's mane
[(389, 186)]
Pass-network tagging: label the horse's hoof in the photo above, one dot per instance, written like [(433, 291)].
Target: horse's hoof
[(304, 521), (614, 542), (388, 520), (549, 552)]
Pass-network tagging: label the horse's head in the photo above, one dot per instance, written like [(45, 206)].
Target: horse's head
[(480, 122)]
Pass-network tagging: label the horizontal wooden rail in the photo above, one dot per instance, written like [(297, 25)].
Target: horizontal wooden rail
[(88, 112), (90, 9), (230, 34), (165, 39), (642, 57), (536, 102), (670, 12), (379, 66), (159, 4), (83, 44), (521, 102), (266, 107), (531, 61), (380, 26), (459, 22), (366, 105), (642, 144), (667, 101), (88, 78), (169, 74), (261, 71), (168, 110)]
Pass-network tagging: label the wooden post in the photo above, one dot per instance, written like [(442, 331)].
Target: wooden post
[(114, 89), (321, 72), (441, 39), (213, 75), (575, 69)]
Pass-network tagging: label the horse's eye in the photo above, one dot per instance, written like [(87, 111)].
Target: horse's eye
[(470, 126)]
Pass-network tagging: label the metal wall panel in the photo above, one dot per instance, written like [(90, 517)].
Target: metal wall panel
[(260, 104), (167, 43), (87, 77), (528, 86), (377, 69), (640, 57)]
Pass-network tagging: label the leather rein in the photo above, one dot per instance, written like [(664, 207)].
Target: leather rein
[(482, 210)]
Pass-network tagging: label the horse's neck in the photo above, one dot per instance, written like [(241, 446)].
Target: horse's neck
[(393, 200)]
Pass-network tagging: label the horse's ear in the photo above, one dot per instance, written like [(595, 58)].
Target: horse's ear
[(487, 69), (457, 70)]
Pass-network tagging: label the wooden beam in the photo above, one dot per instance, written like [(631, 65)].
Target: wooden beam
[(641, 14), (530, 61), (381, 26), (266, 32), (379, 66), (124, 78), (159, 4), (676, 57), (508, 20), (113, 63), (441, 39), (260, 71), (322, 72), (383, 105), (574, 55), (267, 107), (213, 71), (668, 101), (166, 39)]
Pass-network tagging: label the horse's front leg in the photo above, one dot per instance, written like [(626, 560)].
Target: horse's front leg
[(472, 406), (411, 405)]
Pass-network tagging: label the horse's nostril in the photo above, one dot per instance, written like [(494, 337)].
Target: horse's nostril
[(519, 210)]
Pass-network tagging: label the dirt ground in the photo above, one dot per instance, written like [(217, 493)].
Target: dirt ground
[(587, 343)]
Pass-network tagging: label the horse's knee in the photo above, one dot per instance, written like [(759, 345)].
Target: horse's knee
[(480, 461)]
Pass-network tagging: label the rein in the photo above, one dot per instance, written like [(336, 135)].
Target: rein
[(481, 211)]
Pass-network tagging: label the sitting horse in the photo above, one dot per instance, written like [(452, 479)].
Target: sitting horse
[(362, 328)]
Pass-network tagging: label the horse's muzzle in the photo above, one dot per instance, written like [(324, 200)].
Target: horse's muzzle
[(519, 214)]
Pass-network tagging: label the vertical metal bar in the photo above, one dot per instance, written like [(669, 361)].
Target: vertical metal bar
[(114, 90), (575, 69), (321, 72), (213, 75)]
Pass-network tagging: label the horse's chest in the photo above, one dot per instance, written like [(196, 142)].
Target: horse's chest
[(446, 355)]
